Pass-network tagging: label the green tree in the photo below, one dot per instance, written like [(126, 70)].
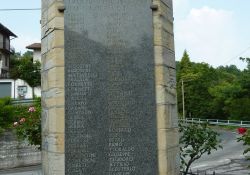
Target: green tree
[(195, 141), (24, 68), (221, 93), (196, 78), (239, 106)]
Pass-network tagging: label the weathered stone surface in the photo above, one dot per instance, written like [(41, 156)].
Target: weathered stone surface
[(164, 57), (110, 88), (14, 153), (54, 165), (167, 119), (52, 88), (167, 116)]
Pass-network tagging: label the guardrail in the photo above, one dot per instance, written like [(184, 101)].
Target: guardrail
[(23, 102), (238, 123)]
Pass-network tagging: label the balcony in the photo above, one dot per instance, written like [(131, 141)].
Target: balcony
[(6, 48), (4, 75)]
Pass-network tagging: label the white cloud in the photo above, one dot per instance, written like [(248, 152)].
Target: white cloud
[(208, 34)]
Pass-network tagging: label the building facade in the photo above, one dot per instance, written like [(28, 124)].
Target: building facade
[(16, 89), (6, 85), (5, 50)]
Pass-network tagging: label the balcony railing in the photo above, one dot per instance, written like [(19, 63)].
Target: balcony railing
[(3, 46), (4, 76)]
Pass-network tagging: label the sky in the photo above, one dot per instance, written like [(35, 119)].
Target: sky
[(25, 24), (213, 31)]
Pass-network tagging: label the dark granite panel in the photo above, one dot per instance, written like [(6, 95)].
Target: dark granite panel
[(109, 88)]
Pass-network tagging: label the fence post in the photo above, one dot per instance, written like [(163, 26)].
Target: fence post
[(217, 121), (241, 122), (228, 122)]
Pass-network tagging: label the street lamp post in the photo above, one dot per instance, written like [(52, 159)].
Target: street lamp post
[(183, 99)]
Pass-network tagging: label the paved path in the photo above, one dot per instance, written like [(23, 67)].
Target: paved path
[(227, 161)]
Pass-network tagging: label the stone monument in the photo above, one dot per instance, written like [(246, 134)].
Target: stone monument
[(108, 88)]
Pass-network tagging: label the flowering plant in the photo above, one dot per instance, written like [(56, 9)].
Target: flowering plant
[(28, 124), (245, 138), (242, 130)]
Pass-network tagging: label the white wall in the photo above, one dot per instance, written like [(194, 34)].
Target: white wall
[(37, 55), (29, 89), (14, 88)]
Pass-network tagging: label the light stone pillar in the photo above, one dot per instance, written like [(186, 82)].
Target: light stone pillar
[(166, 99), (53, 88), (52, 23)]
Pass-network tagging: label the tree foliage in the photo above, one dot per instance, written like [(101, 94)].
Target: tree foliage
[(195, 141), (23, 67), (221, 93)]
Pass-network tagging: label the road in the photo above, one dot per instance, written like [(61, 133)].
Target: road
[(226, 160)]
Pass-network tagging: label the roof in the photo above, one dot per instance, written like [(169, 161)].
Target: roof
[(34, 46), (6, 31)]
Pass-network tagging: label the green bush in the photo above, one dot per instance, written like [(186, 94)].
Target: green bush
[(6, 113), (195, 141), (246, 141)]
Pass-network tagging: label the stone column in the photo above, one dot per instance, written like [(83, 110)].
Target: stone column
[(52, 87), (166, 98)]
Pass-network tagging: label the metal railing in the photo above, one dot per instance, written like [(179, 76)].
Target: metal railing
[(237, 123), (22, 102), (4, 76), (5, 46)]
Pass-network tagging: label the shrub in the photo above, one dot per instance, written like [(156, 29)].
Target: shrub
[(196, 140), (27, 122), (6, 113), (245, 138)]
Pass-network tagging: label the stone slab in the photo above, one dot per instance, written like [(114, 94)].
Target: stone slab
[(110, 108)]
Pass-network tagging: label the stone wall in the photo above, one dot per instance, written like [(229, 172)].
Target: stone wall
[(14, 153)]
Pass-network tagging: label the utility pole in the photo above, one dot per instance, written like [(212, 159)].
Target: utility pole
[(183, 99)]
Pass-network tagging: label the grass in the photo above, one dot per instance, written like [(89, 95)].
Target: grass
[(227, 128)]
